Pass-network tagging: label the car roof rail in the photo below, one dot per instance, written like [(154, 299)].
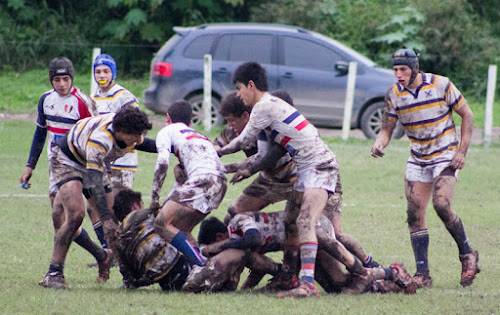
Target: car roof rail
[(182, 30)]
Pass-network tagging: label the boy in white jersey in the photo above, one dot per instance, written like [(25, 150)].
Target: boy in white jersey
[(77, 162), (316, 165), (424, 104), (203, 189), (58, 110), (110, 98)]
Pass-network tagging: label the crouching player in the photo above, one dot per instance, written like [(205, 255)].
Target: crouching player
[(146, 258)]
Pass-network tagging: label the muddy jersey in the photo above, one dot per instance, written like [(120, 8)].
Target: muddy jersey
[(91, 142), (271, 227), (145, 256), (194, 151), (59, 113), (110, 102), (426, 115), (287, 127)]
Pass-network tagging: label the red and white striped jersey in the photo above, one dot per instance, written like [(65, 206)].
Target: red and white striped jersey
[(59, 113)]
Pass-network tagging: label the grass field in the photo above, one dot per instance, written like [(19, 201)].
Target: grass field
[(374, 212)]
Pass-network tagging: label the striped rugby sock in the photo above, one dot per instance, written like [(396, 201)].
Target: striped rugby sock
[(308, 253)]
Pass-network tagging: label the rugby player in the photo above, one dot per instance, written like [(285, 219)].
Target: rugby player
[(109, 98), (78, 161), (203, 189), (424, 104)]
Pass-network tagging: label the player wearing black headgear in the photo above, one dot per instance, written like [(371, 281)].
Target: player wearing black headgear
[(407, 57), (424, 104)]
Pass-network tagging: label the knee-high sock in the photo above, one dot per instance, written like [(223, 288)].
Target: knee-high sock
[(308, 253), (420, 244)]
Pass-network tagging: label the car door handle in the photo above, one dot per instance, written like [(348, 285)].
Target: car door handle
[(288, 75), (222, 70)]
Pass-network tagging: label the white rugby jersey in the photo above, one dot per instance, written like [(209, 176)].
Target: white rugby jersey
[(194, 151), (110, 102), (92, 142), (270, 225), (427, 117), (59, 113), (289, 128)]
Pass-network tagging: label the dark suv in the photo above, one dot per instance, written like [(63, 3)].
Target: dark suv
[(310, 66)]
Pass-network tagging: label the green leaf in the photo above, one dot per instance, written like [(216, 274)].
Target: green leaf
[(136, 17), (15, 4), (114, 3), (152, 32), (395, 37)]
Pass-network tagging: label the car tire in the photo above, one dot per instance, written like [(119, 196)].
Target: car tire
[(196, 102), (371, 122)]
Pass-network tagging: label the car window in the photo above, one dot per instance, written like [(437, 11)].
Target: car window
[(304, 53), (245, 47), (199, 47)]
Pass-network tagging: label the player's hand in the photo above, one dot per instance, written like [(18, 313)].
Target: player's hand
[(155, 206), (376, 150), (111, 231), (230, 168), (23, 181), (219, 152), (458, 161), (180, 175), (240, 175)]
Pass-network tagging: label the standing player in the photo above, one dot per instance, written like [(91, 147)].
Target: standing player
[(275, 181), (58, 110), (424, 104), (77, 162), (110, 98), (203, 189), (317, 167)]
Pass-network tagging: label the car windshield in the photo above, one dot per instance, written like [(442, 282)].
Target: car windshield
[(359, 57)]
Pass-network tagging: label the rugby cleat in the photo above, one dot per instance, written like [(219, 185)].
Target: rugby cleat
[(469, 268), (304, 290), (53, 280), (402, 278), (103, 272), (422, 280), (282, 282), (385, 286)]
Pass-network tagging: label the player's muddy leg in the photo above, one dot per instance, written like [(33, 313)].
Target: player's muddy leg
[(418, 195), (174, 223)]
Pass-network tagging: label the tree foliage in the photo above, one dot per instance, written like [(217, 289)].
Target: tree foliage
[(457, 38)]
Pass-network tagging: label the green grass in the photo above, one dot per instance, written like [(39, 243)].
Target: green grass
[(21, 92), (374, 212)]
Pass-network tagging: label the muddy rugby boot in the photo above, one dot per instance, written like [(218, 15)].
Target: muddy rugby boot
[(53, 280), (103, 273), (304, 290), (402, 278), (469, 268)]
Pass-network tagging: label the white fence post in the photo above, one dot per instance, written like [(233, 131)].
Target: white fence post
[(490, 98), (93, 85), (207, 92), (349, 99)]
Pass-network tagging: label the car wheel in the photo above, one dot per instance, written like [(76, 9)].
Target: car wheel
[(198, 114), (371, 122)]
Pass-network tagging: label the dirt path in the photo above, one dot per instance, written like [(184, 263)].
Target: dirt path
[(159, 120)]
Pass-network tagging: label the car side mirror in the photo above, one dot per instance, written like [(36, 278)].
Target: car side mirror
[(342, 67)]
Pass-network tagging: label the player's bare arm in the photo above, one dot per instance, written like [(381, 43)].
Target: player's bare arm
[(458, 161), (238, 143), (384, 136), (159, 179)]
